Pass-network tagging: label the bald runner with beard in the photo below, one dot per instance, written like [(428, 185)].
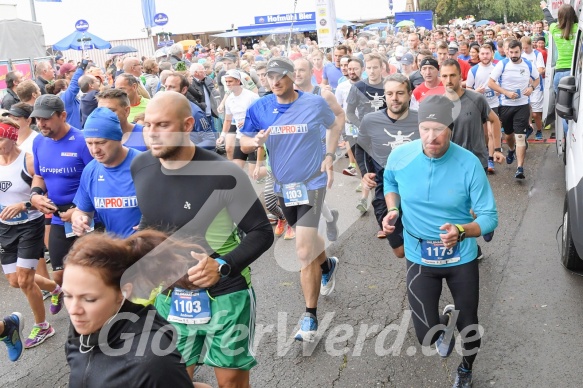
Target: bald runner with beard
[(196, 194)]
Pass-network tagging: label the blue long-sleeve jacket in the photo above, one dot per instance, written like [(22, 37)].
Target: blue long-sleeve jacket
[(72, 104), (438, 191)]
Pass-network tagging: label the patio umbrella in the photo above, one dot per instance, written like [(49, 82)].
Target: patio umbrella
[(122, 49), (187, 43), (405, 23), (74, 41), (482, 23), (376, 26), (161, 52)]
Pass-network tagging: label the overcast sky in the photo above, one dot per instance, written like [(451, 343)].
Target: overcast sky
[(122, 19)]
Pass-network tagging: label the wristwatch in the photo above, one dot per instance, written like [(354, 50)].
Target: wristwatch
[(462, 233), (224, 268), (331, 155), (498, 149), (27, 205)]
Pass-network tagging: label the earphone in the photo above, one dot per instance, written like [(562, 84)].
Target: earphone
[(124, 294)]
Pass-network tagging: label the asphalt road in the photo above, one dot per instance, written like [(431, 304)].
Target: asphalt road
[(530, 306)]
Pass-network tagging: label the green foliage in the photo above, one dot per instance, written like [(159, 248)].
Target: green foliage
[(180, 66), (515, 10)]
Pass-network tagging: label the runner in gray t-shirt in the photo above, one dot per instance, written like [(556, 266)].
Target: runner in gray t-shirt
[(468, 129), (380, 133)]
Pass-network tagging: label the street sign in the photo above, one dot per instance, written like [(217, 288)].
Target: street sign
[(81, 25), (160, 19)]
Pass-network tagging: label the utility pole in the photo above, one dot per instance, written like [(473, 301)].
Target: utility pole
[(32, 11)]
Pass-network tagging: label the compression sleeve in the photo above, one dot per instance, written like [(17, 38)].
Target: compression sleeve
[(258, 231), (549, 17)]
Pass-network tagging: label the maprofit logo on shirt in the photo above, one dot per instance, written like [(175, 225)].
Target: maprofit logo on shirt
[(115, 202), (69, 154), (291, 129)]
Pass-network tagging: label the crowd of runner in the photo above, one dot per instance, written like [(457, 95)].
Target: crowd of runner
[(161, 155)]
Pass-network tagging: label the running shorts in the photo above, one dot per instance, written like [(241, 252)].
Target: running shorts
[(515, 119), (227, 338), (25, 241), (307, 215)]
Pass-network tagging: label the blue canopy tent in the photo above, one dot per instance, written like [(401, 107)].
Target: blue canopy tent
[(76, 39), (279, 28)]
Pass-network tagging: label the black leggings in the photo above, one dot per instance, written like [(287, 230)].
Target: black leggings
[(424, 286)]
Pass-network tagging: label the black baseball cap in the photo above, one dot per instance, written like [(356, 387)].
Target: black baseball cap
[(280, 65), (17, 112), (46, 105)]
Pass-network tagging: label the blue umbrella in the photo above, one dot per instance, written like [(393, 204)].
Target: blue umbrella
[(122, 49), (74, 42), (482, 23), (376, 26)]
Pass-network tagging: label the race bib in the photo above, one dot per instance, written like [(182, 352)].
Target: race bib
[(294, 194), (20, 218), (351, 130), (517, 91), (435, 253), (69, 229), (191, 307), (489, 93)]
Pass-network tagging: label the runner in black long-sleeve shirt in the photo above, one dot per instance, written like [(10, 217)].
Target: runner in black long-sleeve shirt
[(198, 195)]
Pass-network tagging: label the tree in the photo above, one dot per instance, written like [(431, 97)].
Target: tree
[(501, 11)]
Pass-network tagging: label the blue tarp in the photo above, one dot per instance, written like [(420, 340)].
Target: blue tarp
[(74, 42), (279, 28)]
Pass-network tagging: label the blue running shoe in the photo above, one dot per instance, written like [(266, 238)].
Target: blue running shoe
[(519, 173), (539, 135), (13, 340), (510, 157), (329, 279), (463, 378), (308, 328), (529, 132), (488, 236), (491, 169), (446, 341)]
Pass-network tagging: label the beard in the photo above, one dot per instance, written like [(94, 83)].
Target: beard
[(514, 59), (166, 152), (399, 110)]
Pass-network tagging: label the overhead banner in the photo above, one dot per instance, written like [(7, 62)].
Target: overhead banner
[(326, 23), (554, 7), (286, 18)]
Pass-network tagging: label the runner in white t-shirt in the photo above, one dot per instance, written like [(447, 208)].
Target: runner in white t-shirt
[(478, 77), (536, 98), (236, 106)]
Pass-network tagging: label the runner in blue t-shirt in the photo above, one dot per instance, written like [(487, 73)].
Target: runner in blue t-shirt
[(293, 125), (332, 72), (118, 102), (106, 183), (60, 156)]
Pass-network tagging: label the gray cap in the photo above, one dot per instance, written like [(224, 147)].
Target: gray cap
[(230, 56), (280, 65), (407, 59), (46, 105)]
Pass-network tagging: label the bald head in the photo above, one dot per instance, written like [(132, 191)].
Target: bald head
[(132, 65), (173, 103), (168, 121)]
